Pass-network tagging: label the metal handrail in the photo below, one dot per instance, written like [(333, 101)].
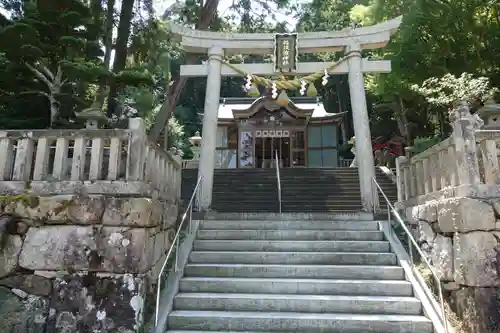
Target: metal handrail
[(175, 244), (278, 178), (412, 242)]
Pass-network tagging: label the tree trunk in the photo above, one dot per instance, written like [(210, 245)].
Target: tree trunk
[(108, 48), (207, 15), (402, 120), (120, 51), (108, 33)]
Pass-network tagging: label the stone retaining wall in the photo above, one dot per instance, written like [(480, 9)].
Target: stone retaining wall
[(461, 237), (80, 263)]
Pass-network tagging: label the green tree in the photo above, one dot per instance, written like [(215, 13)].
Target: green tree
[(55, 46)]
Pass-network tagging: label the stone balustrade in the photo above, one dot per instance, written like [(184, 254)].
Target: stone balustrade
[(451, 197), (86, 219), (437, 168), (429, 171), (87, 157)]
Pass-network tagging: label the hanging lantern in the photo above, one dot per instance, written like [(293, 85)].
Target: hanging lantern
[(311, 90), (283, 99), (253, 91)]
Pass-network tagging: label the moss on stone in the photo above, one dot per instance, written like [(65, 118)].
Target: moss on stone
[(64, 204), (27, 199)]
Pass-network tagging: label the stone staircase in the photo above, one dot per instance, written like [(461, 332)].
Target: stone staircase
[(306, 276), (327, 189), (303, 189)]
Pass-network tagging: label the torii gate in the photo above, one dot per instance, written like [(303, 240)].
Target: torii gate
[(352, 40)]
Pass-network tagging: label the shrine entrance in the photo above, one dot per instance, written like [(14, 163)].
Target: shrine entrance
[(283, 145), (284, 49), (268, 150)]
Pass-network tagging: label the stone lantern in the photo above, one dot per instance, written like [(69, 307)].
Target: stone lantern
[(92, 117), (490, 113), (196, 145)]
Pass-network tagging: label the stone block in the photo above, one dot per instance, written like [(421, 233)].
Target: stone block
[(27, 315), (442, 257), (170, 216), (125, 250), (143, 212), (464, 215), (451, 286), (106, 249), (169, 236), (495, 203), (61, 208), (412, 214), (474, 259), (428, 212), (58, 248), (9, 254), (479, 308), (29, 283), (91, 304), (155, 270), (160, 246), (424, 235)]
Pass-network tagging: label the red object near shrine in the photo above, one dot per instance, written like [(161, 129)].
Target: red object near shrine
[(394, 146)]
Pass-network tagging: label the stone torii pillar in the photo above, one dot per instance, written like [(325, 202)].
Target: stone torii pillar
[(209, 131), (364, 150)]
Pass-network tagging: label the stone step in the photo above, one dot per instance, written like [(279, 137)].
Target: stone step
[(245, 209), (352, 205), (357, 216), (257, 194), (291, 246), (289, 235), (298, 322), (287, 208), (251, 207), (190, 331), (289, 225), (357, 272), (298, 303), (332, 186), (262, 201), (315, 201), (299, 169), (312, 258), (331, 175), (295, 209), (322, 209), (273, 199), (330, 182), (239, 180), (296, 286), (337, 179)]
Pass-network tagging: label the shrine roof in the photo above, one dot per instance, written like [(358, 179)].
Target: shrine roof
[(311, 106)]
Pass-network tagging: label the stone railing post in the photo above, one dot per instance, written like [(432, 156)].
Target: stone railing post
[(136, 149), (399, 178), (464, 125)]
